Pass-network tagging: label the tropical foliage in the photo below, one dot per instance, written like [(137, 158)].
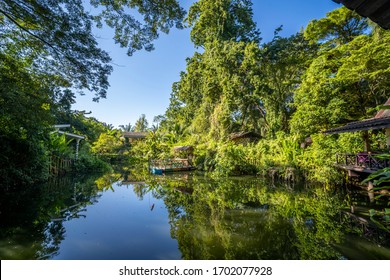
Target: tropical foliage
[(48, 53), (285, 90), (332, 72)]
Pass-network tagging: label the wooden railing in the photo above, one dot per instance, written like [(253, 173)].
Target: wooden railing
[(170, 163), (60, 166), (362, 160), (252, 161)]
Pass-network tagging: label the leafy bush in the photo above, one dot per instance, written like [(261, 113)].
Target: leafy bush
[(88, 161), (231, 159), (22, 162)]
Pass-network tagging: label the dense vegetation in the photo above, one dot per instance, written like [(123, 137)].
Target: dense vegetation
[(333, 72), (48, 54), (286, 90)]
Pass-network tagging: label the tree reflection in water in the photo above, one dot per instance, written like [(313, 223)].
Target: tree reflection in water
[(32, 217), (232, 218), (243, 218)]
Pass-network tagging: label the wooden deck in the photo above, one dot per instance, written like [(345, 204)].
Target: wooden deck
[(361, 162)]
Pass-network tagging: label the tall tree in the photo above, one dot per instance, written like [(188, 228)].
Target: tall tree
[(217, 93), (346, 80), (283, 62), (222, 20)]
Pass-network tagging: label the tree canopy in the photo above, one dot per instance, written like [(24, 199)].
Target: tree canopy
[(346, 81), (222, 20), (56, 37)]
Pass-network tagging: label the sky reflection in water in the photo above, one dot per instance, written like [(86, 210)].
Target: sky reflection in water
[(120, 226), (179, 217)]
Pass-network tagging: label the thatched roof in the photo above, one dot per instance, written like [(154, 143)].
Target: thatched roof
[(183, 148), (240, 135), (376, 10), (135, 135), (380, 121)]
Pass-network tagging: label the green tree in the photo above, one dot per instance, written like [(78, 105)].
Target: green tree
[(223, 20), (343, 83), (339, 27), (283, 62), (219, 92), (57, 35), (107, 145), (141, 125), (24, 121)]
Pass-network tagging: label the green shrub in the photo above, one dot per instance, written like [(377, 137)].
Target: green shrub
[(232, 159), (88, 161)]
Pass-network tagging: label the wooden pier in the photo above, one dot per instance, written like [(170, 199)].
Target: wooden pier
[(365, 162)]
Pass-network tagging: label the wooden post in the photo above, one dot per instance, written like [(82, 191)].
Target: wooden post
[(370, 187), (77, 148), (366, 141), (388, 138)]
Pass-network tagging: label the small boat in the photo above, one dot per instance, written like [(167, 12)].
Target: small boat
[(156, 171), (162, 170), (183, 162), (159, 167)]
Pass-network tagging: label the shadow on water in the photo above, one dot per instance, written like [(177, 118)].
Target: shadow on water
[(31, 218), (232, 218)]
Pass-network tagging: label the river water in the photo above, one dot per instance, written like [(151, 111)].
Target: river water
[(187, 216)]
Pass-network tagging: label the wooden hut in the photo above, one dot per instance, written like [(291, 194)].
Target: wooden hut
[(245, 138), (380, 121), (365, 161), (184, 152)]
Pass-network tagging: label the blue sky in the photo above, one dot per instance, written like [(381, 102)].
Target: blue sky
[(141, 84)]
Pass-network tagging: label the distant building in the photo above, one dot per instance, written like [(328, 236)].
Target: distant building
[(135, 135), (245, 138)]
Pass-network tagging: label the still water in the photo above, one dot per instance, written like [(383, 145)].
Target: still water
[(185, 216)]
